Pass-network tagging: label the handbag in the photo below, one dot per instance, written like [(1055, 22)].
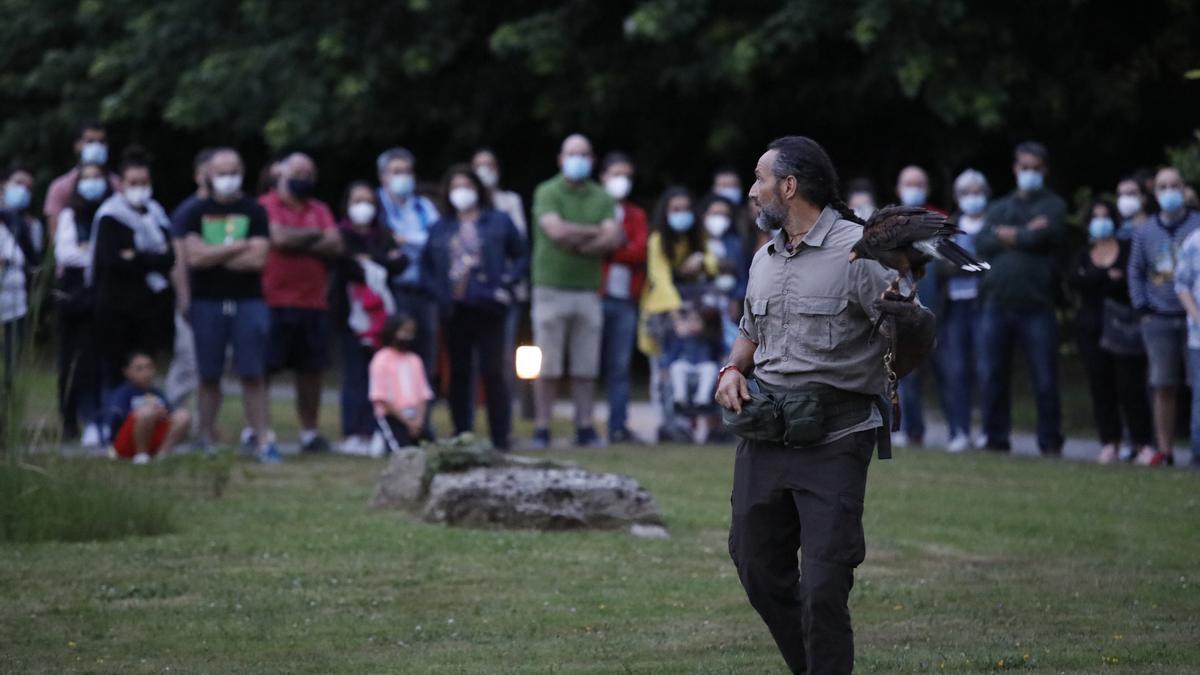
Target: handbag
[(1120, 331)]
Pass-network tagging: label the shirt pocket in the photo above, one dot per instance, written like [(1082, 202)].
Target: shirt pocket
[(761, 318), (820, 324)]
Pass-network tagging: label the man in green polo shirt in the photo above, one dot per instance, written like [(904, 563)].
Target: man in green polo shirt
[(576, 227)]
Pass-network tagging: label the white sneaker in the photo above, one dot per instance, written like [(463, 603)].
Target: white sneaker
[(90, 437), (141, 458), (355, 445), (899, 439), (377, 447), (979, 442), (960, 443)]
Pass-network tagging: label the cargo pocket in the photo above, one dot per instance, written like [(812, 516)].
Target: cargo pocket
[(851, 546), (820, 323)]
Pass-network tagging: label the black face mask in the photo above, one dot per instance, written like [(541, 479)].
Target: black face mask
[(403, 345), (300, 187)]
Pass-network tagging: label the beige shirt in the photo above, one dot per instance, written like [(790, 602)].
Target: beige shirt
[(810, 311)]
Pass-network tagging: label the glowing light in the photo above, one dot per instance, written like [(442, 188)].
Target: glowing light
[(529, 362)]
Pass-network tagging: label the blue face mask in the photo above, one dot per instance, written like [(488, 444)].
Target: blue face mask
[(16, 196), (731, 193), (680, 221), (1101, 228), (972, 204), (402, 184), (1170, 200), (912, 196), (577, 167), (1029, 180), (91, 189), (93, 153)]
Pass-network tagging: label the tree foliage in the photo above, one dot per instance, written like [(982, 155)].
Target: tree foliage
[(681, 84)]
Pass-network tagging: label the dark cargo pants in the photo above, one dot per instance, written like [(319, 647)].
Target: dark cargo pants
[(788, 499)]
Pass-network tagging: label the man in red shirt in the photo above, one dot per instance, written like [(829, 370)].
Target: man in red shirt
[(624, 273), (303, 239)]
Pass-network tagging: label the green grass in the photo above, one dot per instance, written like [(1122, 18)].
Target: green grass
[(975, 563)]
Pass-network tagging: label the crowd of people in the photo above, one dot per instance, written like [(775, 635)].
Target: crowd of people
[(422, 294)]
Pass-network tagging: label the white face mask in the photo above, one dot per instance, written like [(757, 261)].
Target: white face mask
[(361, 213), (618, 187), (717, 224), (1129, 205), (463, 198), (138, 195), (489, 176), (227, 185)]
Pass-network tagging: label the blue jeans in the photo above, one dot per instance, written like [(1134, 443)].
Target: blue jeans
[(1037, 330), (620, 331), (912, 412), (1194, 370), (958, 356), (358, 416)]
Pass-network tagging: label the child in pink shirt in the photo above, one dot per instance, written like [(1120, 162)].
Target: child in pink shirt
[(399, 390)]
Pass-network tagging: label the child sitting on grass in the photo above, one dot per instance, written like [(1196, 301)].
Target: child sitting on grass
[(141, 421), (399, 390)]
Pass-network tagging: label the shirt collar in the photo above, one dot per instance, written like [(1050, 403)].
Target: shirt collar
[(813, 239)]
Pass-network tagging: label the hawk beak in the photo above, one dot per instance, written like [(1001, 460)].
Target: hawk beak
[(853, 256)]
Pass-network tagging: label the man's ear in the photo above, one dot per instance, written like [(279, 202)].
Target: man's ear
[(788, 188)]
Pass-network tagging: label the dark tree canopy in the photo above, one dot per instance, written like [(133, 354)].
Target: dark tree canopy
[(682, 85)]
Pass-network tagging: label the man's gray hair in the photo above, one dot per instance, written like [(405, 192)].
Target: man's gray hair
[(971, 178), (387, 156)]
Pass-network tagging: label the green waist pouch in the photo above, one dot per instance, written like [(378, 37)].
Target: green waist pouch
[(796, 417)]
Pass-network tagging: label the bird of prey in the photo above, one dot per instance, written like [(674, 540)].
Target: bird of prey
[(906, 238)]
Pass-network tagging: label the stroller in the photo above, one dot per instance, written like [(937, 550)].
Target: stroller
[(683, 376)]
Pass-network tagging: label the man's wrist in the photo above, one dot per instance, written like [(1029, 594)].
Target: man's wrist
[(725, 369)]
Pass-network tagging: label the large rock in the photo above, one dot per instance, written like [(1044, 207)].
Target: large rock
[(533, 497), (401, 485)]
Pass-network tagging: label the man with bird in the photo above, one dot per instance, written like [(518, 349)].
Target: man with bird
[(804, 386)]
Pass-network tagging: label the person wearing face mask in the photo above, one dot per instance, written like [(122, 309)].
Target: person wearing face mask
[(727, 183), (1133, 205), (91, 147), (17, 197), (717, 214), (182, 377), (957, 309), (912, 189), (78, 360), (474, 256), (17, 259), (226, 239), (860, 197), (623, 275), (1153, 263), (304, 238), (410, 216), (1021, 239), (361, 300), (677, 254), (1187, 287), (1110, 344), (130, 271), (574, 229), (508, 202)]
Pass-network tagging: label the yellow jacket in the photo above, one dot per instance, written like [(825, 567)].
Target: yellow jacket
[(659, 294)]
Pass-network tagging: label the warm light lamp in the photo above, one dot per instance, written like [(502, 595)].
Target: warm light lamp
[(529, 362)]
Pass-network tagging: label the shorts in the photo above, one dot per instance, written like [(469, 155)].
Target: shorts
[(1166, 349), (123, 440), (568, 322), (299, 340), (218, 325)]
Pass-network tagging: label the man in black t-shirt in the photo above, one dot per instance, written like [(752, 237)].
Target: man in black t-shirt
[(227, 242)]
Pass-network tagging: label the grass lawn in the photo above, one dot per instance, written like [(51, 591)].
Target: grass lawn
[(975, 563)]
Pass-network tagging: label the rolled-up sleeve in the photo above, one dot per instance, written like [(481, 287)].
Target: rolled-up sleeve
[(868, 281), (746, 327)]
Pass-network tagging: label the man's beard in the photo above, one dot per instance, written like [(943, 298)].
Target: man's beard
[(768, 219)]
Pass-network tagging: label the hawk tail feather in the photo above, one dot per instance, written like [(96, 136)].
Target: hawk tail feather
[(961, 257)]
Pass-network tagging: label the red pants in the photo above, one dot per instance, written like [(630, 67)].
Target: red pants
[(123, 443)]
